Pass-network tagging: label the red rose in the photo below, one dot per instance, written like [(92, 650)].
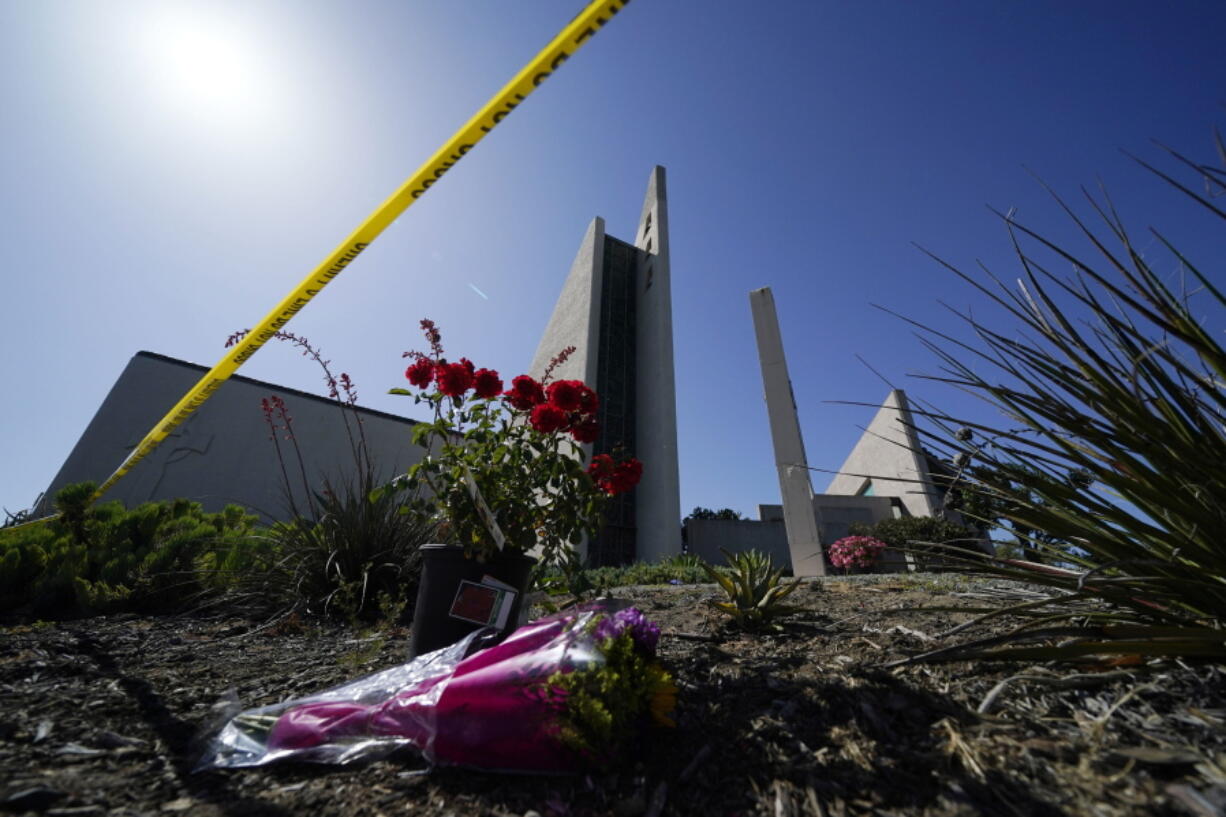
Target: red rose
[(627, 475), (524, 393), (586, 430), (588, 402), (486, 383), (615, 477), (601, 466), (453, 379), (421, 372), (547, 418), (468, 364), (565, 394)]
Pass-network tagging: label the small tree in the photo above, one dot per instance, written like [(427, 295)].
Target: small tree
[(706, 513)]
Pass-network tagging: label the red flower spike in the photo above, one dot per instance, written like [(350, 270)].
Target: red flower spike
[(432, 336), (560, 358)]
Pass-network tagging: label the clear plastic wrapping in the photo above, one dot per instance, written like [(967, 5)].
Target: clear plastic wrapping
[(522, 705)]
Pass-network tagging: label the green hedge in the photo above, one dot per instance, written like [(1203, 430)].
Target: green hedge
[(105, 557)]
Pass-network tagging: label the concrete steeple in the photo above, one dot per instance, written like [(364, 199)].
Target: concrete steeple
[(616, 309)]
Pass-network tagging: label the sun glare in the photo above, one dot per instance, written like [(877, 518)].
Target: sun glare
[(206, 66)]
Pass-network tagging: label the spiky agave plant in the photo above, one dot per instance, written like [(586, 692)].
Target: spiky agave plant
[(1115, 394), (754, 588)]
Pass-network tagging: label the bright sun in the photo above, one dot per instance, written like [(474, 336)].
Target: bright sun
[(205, 65)]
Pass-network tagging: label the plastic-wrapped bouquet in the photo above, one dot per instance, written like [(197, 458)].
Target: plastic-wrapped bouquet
[(563, 693)]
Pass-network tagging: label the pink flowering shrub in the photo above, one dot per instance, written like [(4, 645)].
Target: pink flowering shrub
[(856, 551)]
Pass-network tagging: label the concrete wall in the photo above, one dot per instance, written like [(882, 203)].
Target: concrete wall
[(704, 538), (222, 454), (576, 317), (838, 513)]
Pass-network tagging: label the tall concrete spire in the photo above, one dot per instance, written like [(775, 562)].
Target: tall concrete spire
[(799, 513), (616, 310), (659, 494)]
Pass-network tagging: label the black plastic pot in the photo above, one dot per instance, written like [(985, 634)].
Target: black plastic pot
[(454, 595)]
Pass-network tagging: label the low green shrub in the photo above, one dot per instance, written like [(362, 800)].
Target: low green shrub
[(107, 557), (680, 569), (922, 537)]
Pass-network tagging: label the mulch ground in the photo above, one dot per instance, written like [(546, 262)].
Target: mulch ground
[(104, 716)]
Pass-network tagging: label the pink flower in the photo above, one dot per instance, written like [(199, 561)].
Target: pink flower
[(856, 551)]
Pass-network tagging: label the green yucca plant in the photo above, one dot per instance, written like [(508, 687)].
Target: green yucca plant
[(754, 588), (1114, 392)]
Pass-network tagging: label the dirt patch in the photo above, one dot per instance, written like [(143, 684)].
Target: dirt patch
[(103, 717)]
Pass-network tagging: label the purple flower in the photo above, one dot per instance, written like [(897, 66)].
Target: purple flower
[(645, 633)]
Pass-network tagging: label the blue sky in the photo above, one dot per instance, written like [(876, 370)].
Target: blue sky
[(172, 169)]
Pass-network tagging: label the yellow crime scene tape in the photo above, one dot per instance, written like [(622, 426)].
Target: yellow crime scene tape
[(576, 34)]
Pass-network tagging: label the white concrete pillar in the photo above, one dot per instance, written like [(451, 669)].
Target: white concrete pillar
[(799, 514)]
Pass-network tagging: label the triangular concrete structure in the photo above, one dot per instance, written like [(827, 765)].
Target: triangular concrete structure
[(887, 460)]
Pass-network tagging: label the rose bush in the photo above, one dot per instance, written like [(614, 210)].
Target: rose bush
[(504, 468), (856, 551)]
